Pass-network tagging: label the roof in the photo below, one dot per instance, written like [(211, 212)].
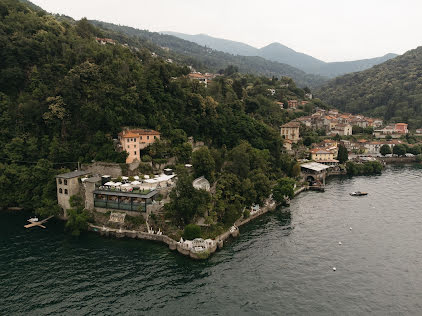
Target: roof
[(93, 179), (401, 124), (315, 166), (135, 132), (127, 194), (291, 124), (320, 151), (73, 174), (130, 135)]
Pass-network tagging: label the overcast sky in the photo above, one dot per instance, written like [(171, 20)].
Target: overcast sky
[(331, 30)]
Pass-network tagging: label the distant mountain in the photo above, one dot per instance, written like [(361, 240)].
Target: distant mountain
[(227, 46), (207, 59), (283, 54), (392, 90)]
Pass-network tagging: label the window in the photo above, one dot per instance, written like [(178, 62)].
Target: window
[(128, 146), (155, 137), (60, 190), (65, 191), (134, 146), (147, 137), (134, 152), (140, 137), (65, 182), (60, 181)]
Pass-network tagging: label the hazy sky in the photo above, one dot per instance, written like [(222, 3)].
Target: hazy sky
[(331, 30)]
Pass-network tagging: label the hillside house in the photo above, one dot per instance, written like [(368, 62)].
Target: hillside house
[(133, 140), (290, 131), (342, 129), (104, 41), (292, 104)]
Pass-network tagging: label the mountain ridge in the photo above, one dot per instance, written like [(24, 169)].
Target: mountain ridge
[(278, 52)]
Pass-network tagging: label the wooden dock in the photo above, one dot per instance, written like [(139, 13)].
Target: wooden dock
[(39, 224)]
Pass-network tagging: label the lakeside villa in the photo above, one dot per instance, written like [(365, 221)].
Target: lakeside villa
[(133, 140)]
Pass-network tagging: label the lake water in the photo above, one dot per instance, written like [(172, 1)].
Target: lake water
[(282, 263)]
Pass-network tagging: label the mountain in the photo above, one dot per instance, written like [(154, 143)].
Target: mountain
[(283, 54), (207, 59), (392, 90), (223, 45)]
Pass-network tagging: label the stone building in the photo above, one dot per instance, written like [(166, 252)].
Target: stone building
[(290, 131), (68, 184)]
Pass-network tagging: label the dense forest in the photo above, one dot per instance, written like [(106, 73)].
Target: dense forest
[(64, 97), (392, 90)]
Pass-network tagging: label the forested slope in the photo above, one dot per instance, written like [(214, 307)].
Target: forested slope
[(391, 90), (64, 97)]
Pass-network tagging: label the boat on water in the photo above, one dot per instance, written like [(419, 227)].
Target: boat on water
[(358, 193), (33, 220)]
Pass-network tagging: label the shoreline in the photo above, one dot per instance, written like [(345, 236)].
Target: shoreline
[(213, 244)]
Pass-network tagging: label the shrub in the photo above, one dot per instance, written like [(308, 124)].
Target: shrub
[(192, 231), (146, 158), (246, 213)]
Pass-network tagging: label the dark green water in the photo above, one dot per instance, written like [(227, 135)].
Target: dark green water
[(281, 263)]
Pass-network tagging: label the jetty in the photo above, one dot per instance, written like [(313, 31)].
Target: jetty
[(39, 224)]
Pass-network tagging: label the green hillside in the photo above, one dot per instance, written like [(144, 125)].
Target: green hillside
[(64, 97), (391, 90)]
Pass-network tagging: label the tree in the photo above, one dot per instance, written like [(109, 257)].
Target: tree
[(385, 150), (284, 189), (342, 155), (388, 137), (203, 163), (192, 231), (399, 150)]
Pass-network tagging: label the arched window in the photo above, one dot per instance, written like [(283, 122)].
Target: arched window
[(60, 181), (60, 190), (65, 182), (65, 191)]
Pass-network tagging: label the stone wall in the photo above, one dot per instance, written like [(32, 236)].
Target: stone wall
[(104, 168), (397, 159)]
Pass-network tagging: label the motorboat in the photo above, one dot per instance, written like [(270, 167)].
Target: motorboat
[(358, 193), (33, 220)]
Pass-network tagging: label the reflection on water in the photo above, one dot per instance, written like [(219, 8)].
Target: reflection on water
[(281, 264)]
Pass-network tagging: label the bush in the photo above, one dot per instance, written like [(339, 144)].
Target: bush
[(246, 213), (146, 158), (366, 168), (135, 220), (192, 231)]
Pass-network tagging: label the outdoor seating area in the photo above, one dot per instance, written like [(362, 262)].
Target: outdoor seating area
[(140, 185)]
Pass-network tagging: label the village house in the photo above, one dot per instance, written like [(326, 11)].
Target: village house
[(418, 131), (280, 104), (292, 104), (305, 120), (308, 95), (202, 78), (104, 41), (133, 140), (290, 131), (318, 154), (395, 131), (373, 147), (342, 130)]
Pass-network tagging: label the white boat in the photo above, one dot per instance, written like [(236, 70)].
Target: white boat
[(33, 219), (358, 193)]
